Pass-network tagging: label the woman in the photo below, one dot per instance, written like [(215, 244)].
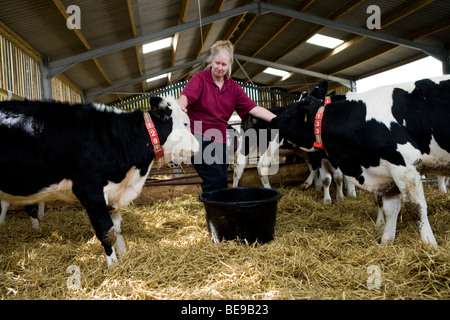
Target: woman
[(210, 98)]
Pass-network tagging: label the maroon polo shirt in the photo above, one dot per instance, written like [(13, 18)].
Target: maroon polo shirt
[(210, 108)]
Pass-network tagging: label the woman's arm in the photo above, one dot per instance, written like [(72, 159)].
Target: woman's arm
[(262, 113), (183, 102)]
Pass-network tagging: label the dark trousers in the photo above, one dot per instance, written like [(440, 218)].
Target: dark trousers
[(211, 164)]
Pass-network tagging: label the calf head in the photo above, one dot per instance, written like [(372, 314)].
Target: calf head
[(180, 143), (296, 123)]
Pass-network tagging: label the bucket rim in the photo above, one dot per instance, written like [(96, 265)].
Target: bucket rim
[(277, 195)]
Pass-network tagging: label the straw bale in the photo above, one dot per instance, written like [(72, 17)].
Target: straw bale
[(319, 252)]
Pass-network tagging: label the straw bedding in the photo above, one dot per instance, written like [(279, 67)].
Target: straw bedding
[(319, 252)]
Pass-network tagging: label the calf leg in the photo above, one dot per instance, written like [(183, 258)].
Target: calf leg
[(240, 161), (31, 210), (391, 206), (267, 160), (325, 176), (380, 223), (94, 202), (339, 180), (35, 214), (41, 209), (5, 206), (442, 183), (409, 182), (309, 181), (120, 242), (239, 166), (318, 182), (349, 187)]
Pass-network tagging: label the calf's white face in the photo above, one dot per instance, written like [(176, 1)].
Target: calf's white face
[(181, 143)]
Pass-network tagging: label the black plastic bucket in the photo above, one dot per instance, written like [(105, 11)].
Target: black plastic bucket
[(241, 213)]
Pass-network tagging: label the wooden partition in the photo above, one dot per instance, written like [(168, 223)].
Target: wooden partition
[(21, 72)]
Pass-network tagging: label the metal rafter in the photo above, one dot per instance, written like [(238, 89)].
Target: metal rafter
[(286, 23), (94, 94), (439, 26), (255, 8), (206, 29), (80, 36), (345, 82), (59, 66), (136, 48), (333, 16), (235, 23), (436, 52), (404, 12), (177, 35), (56, 67)]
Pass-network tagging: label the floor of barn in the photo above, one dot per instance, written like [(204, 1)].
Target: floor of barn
[(319, 252)]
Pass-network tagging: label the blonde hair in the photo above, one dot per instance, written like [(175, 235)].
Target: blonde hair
[(221, 47)]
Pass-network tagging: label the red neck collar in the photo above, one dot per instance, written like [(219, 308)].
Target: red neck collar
[(157, 147), (318, 144)]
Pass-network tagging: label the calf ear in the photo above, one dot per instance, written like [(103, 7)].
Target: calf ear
[(307, 113), (159, 111), (154, 102), (320, 90)]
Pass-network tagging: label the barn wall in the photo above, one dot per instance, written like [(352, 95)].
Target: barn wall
[(21, 74), (65, 90)]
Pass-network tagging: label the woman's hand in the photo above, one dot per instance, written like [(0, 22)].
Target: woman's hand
[(182, 102)]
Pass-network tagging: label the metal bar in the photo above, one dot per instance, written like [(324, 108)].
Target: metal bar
[(90, 96), (342, 81), (436, 52), (46, 81), (59, 66)]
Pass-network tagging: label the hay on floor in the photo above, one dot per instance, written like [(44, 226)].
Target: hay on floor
[(319, 252)]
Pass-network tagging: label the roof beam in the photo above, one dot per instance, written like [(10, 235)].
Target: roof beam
[(205, 29), (235, 24), (177, 35), (92, 95), (444, 24), (436, 52), (404, 12), (136, 48), (56, 67), (333, 16), (303, 6), (439, 26), (86, 44), (342, 81)]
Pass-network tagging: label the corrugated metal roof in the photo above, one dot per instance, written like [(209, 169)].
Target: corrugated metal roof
[(105, 22)]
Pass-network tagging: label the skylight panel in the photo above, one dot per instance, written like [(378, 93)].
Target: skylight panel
[(157, 45), (161, 76), (276, 72), (324, 41)]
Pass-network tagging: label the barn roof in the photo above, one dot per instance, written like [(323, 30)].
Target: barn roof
[(105, 56)]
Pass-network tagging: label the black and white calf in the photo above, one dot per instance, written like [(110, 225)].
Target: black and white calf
[(255, 134), (384, 139), (322, 172), (321, 169), (96, 154)]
